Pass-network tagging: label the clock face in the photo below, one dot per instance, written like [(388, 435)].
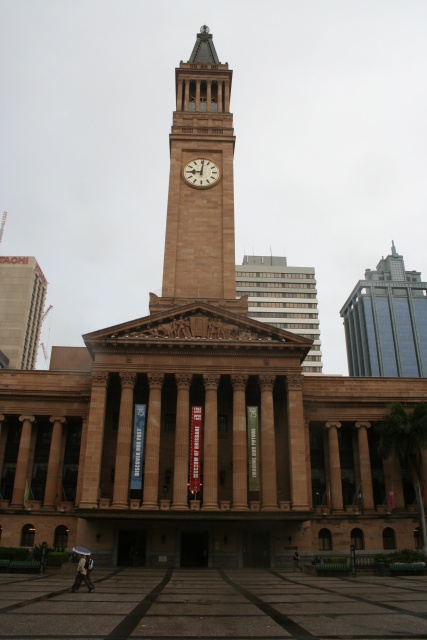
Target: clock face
[(201, 173)]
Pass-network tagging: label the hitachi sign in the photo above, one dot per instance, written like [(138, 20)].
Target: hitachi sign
[(13, 260)]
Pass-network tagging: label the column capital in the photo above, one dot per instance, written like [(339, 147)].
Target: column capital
[(54, 419), (211, 380), (294, 382), (239, 381), (26, 418), (329, 425), (127, 379), (266, 381), (100, 378), (359, 425), (183, 380), (156, 380)]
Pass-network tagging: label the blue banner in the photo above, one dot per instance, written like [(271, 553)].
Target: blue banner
[(138, 446)]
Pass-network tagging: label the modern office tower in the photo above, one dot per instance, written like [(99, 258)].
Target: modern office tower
[(385, 322), (284, 297), (22, 297)]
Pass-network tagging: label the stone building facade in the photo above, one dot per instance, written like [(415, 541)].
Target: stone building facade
[(283, 460)]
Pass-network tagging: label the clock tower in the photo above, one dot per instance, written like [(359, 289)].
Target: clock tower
[(199, 253)]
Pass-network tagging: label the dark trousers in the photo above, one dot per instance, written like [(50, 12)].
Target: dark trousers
[(80, 577)]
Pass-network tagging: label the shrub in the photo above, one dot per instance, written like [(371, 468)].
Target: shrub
[(15, 553), (57, 558), (335, 560), (406, 555)]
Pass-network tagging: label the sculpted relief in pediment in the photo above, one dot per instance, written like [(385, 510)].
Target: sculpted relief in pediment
[(197, 327)]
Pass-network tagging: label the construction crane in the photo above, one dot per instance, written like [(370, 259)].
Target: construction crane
[(44, 351), (3, 222), (50, 307)]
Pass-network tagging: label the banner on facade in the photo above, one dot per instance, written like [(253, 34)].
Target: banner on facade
[(195, 448), (138, 445), (253, 449)]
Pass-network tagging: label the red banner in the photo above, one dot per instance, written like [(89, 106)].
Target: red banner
[(195, 448)]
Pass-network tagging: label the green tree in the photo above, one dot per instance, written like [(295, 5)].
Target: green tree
[(403, 433)]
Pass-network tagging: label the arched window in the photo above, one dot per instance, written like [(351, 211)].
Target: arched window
[(358, 539), (417, 539), (61, 537), (27, 535), (325, 540), (389, 538)]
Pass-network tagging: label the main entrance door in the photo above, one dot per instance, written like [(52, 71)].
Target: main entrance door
[(256, 549), (131, 548), (194, 549)]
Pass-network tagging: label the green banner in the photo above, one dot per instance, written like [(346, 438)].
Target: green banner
[(253, 449)]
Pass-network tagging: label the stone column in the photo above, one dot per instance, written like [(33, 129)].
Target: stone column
[(179, 96), (210, 449), (152, 443), (268, 445), (180, 470), (187, 95), (3, 438), (219, 96), (365, 465), (21, 472), (334, 466), (95, 440), (197, 95), (80, 473), (209, 95), (240, 444), (227, 97), (124, 442), (53, 479), (296, 443)]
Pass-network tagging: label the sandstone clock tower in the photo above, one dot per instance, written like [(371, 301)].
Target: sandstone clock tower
[(199, 253)]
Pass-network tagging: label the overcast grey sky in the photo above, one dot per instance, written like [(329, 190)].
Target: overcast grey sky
[(330, 112)]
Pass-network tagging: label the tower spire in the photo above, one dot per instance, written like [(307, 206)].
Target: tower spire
[(204, 50)]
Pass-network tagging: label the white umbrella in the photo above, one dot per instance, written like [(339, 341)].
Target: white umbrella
[(82, 551)]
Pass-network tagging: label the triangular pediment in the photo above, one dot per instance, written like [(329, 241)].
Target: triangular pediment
[(195, 322)]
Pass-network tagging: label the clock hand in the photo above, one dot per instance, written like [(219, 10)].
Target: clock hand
[(203, 164)]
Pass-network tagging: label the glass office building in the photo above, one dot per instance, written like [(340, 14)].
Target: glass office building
[(385, 322)]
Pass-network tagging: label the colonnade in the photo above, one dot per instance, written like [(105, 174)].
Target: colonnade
[(221, 87), (152, 453), (297, 442), (23, 471), (391, 469)]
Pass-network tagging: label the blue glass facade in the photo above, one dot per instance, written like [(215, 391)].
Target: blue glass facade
[(370, 337), (387, 348), (420, 314), (405, 338)]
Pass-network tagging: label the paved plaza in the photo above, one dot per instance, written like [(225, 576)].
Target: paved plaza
[(165, 604)]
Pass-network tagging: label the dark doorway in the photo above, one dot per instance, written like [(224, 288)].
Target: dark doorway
[(256, 549), (131, 548), (194, 549)]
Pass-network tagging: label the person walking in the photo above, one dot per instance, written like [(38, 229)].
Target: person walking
[(81, 576), (89, 568), (296, 560)]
